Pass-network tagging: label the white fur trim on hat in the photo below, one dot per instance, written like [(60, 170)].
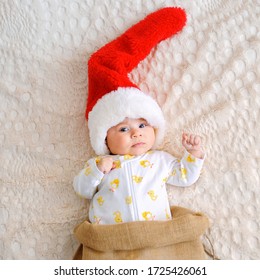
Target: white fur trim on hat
[(114, 107)]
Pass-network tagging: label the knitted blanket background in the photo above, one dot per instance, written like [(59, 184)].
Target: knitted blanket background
[(206, 79)]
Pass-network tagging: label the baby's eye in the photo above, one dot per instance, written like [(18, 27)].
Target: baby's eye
[(123, 129), (142, 125)]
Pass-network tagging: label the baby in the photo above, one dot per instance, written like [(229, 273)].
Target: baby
[(127, 182), (130, 184)]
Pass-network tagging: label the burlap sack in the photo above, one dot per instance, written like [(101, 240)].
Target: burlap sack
[(177, 239)]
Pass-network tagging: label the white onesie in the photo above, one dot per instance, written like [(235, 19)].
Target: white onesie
[(136, 189)]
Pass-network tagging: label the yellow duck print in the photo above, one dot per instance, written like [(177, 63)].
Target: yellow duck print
[(117, 217), (87, 171), (126, 157), (114, 185), (117, 164), (152, 195), (97, 220), (137, 179), (164, 180), (168, 217), (128, 200), (100, 200), (148, 216), (183, 173), (190, 159), (146, 163)]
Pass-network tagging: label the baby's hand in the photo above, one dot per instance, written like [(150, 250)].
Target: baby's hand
[(106, 164), (192, 143)]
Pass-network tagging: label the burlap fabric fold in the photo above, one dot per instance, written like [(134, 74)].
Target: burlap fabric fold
[(177, 239)]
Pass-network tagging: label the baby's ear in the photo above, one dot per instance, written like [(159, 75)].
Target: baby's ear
[(155, 131), (107, 145)]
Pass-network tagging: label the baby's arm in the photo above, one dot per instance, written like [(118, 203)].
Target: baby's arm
[(186, 171), (86, 182), (192, 143)]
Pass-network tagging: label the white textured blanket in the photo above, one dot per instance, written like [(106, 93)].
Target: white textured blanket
[(206, 79)]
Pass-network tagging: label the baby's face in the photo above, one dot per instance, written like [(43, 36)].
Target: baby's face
[(132, 137)]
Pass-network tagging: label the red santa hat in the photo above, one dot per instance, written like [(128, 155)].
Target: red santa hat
[(112, 96)]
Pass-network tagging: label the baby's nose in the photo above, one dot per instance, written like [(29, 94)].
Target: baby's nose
[(136, 133)]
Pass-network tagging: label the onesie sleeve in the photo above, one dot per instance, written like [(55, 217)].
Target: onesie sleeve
[(86, 182), (185, 172)]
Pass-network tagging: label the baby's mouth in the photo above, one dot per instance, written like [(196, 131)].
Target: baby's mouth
[(139, 144)]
